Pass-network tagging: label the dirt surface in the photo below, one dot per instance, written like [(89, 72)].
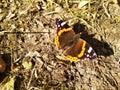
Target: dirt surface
[(27, 32)]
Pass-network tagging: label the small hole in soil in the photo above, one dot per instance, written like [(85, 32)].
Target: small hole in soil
[(47, 43), (73, 64), (22, 38), (72, 77), (44, 43), (43, 38), (81, 75)]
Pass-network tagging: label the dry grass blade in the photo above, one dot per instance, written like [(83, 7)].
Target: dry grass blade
[(8, 83), (82, 3)]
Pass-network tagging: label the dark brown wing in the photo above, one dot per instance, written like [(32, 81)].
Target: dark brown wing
[(65, 38), (76, 49), (81, 49)]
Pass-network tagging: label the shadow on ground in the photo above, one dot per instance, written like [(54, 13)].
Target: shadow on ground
[(100, 47), (118, 2)]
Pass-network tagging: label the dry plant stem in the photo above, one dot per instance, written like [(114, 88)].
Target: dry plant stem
[(106, 11), (52, 12), (23, 12), (32, 72), (66, 1), (89, 5)]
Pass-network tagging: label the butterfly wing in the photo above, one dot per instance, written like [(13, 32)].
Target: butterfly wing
[(64, 38), (64, 34), (81, 49), (74, 47)]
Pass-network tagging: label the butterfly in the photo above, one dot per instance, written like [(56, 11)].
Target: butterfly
[(73, 47)]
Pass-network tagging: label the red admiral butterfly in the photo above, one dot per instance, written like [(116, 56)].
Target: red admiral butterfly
[(73, 47)]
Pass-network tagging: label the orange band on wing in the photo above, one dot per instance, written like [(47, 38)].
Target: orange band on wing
[(64, 30), (83, 50), (75, 59)]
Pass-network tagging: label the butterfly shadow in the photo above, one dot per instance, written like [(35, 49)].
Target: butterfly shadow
[(102, 48), (118, 2)]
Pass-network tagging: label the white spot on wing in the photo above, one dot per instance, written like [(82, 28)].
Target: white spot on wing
[(87, 55), (63, 23), (94, 54), (58, 25), (89, 50)]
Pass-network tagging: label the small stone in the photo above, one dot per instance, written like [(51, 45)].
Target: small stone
[(27, 65), (2, 65)]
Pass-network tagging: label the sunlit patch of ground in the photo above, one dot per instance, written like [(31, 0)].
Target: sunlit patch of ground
[(27, 31)]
